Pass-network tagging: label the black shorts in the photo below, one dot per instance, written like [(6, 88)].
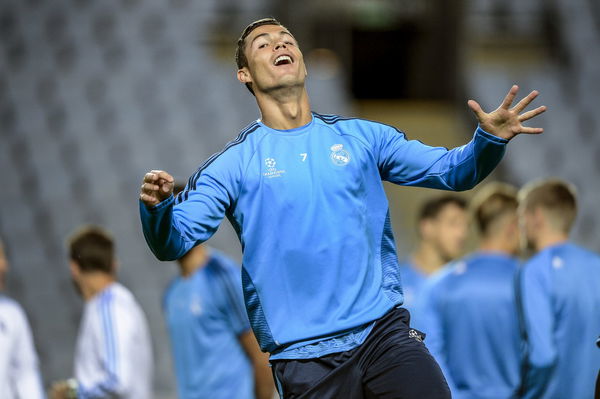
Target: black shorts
[(392, 363)]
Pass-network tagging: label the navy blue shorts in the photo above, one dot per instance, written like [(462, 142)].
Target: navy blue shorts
[(392, 363)]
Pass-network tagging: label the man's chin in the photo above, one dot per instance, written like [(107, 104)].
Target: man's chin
[(289, 82)]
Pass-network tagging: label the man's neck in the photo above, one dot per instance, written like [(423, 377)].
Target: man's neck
[(550, 238), (95, 282), (427, 259), (498, 245), (196, 258), (285, 108)]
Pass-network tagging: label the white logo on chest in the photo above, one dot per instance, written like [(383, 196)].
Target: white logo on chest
[(339, 156), (195, 306), (272, 170), (557, 262)]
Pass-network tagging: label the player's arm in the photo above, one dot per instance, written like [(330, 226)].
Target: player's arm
[(535, 305), (171, 225), (24, 362), (264, 387), (413, 163)]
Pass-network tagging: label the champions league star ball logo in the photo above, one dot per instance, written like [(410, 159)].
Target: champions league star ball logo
[(339, 156), (272, 171), (270, 163)]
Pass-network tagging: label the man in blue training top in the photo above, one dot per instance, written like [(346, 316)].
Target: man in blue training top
[(442, 227), (559, 297), (469, 311), (215, 353), (304, 192)]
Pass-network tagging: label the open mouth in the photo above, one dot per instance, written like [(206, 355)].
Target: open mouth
[(283, 60)]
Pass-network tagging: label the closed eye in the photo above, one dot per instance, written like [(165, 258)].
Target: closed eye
[(262, 45)]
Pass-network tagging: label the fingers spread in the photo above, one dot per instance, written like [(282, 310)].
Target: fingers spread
[(525, 101), (510, 97), (532, 130), (530, 114), (476, 108)]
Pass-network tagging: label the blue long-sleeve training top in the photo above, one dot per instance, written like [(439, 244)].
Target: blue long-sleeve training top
[(312, 216), (560, 300), (469, 312)]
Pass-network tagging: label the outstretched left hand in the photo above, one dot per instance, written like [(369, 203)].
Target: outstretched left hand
[(505, 122)]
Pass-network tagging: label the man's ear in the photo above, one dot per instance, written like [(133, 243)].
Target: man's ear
[(426, 228), (75, 272), (243, 75)]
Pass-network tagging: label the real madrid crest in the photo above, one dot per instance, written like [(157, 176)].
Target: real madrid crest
[(339, 156)]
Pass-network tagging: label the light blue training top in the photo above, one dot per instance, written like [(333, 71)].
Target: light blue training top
[(312, 216), (205, 317), (560, 300), (469, 313)]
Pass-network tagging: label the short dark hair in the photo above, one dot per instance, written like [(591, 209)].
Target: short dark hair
[(558, 198), (93, 249), (432, 207), (240, 55), (492, 202)]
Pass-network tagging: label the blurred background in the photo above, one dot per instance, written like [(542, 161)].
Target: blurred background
[(95, 93)]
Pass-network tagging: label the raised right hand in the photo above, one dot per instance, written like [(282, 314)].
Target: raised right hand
[(156, 187)]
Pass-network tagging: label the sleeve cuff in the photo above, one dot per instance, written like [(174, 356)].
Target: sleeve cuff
[(161, 205), (487, 136)]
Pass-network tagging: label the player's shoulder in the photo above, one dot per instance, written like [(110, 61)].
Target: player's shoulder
[(354, 125), (247, 139), (453, 270), (10, 306), (333, 119), (116, 295), (492, 259), (235, 152), (170, 288), (409, 272), (570, 247), (540, 260), (222, 262)]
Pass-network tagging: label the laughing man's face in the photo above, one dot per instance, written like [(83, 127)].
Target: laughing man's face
[(274, 60)]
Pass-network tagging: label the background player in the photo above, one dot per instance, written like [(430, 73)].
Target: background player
[(216, 354), (442, 226), (113, 356), (19, 371), (469, 310), (304, 192), (560, 299)]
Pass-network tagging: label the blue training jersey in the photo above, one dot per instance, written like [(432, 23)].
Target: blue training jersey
[(312, 216), (205, 315), (469, 313), (560, 300)]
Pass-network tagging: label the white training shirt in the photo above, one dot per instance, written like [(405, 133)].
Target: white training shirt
[(114, 356), (19, 373)]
